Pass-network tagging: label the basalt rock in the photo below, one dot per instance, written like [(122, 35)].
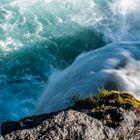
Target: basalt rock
[(79, 123)]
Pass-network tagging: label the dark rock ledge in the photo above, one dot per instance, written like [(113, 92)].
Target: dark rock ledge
[(109, 117)]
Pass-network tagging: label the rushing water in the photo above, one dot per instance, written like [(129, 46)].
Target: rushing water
[(39, 38)]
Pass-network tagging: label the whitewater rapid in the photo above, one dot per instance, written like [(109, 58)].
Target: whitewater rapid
[(40, 38)]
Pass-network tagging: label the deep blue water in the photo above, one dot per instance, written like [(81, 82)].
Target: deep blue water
[(40, 38)]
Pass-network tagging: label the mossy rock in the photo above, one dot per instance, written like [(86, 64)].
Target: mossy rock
[(108, 98)]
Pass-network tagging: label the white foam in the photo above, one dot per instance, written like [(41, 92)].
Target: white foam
[(28, 21)]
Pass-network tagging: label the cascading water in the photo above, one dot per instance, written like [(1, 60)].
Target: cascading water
[(40, 38), (114, 67)]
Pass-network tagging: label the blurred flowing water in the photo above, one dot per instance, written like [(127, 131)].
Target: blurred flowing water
[(40, 38)]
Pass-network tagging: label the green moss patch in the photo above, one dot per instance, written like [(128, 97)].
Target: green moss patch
[(108, 98), (108, 106)]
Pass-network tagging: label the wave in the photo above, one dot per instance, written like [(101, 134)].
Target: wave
[(114, 67)]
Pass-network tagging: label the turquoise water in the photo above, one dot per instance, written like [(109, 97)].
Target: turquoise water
[(40, 38)]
